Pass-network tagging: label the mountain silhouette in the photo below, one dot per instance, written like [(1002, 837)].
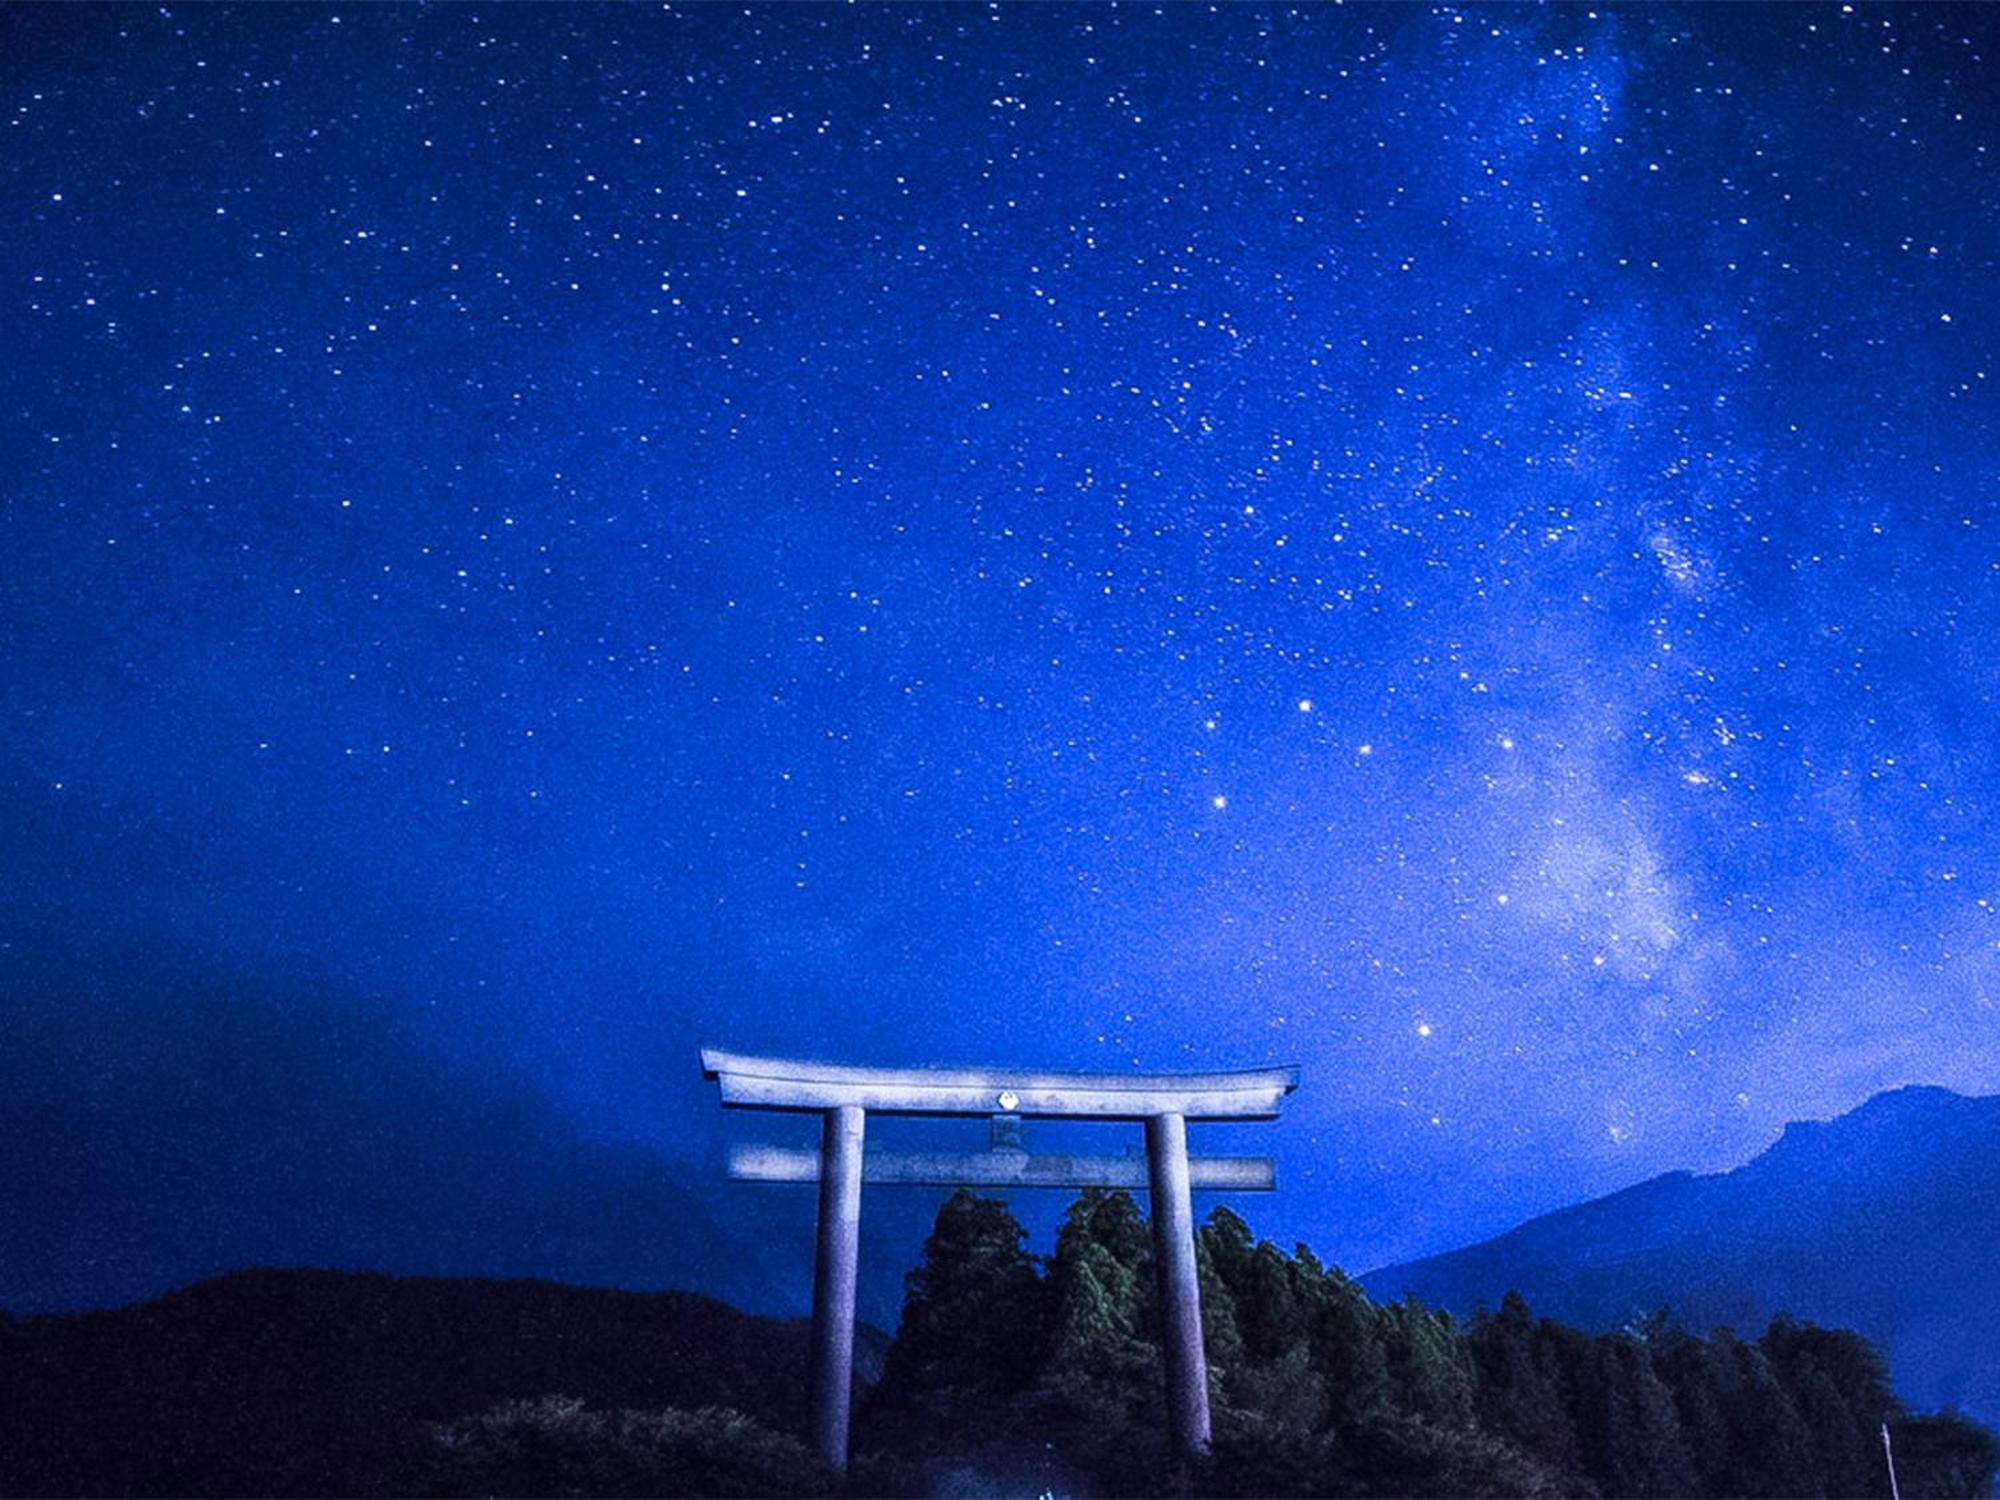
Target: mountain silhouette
[(1883, 1220)]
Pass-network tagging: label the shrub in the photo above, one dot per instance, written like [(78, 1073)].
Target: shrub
[(557, 1447)]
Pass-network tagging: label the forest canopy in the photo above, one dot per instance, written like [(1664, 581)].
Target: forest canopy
[(1006, 1363)]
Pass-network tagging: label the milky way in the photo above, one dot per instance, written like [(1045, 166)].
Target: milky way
[(1458, 548)]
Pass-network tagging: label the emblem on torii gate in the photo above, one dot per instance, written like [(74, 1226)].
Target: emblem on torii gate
[(845, 1096)]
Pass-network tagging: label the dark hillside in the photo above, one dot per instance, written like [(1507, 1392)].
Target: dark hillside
[(309, 1382)]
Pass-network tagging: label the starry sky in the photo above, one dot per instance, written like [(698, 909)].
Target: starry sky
[(1454, 547)]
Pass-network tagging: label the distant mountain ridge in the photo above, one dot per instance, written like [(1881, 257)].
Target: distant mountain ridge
[(1885, 1220)]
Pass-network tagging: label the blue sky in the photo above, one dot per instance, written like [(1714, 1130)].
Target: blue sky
[(1455, 547)]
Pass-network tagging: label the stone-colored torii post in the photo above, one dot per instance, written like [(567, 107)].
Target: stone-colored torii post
[(845, 1096)]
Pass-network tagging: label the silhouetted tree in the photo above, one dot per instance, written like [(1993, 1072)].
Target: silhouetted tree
[(1219, 1246), (971, 1334), (1839, 1384), (1627, 1426), (1101, 1293), (1099, 1396), (1770, 1451), (1523, 1394), (1693, 1370), (1431, 1374), (1942, 1457), (1345, 1330)]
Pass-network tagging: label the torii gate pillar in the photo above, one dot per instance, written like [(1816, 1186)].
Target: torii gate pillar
[(1180, 1287), (836, 1271), (843, 1097)]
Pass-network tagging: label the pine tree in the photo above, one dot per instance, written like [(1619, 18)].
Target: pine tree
[(1099, 1396), (1522, 1390), (1103, 1305), (1345, 1331), (1839, 1383), (1430, 1370), (1942, 1457), (973, 1313), (1770, 1451), (1272, 1305), (1693, 1371), (1627, 1425), (1222, 1336)]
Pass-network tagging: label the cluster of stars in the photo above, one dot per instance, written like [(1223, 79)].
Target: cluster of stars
[(559, 469)]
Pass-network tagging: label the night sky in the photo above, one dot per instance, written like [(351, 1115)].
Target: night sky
[(1457, 548)]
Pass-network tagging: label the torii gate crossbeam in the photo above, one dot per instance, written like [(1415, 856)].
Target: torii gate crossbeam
[(844, 1097)]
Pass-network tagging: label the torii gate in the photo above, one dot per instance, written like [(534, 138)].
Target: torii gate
[(843, 1096)]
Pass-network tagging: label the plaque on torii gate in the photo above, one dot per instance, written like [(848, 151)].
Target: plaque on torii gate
[(845, 1096)]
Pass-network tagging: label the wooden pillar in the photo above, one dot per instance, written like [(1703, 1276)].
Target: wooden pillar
[(835, 1269), (1180, 1289)]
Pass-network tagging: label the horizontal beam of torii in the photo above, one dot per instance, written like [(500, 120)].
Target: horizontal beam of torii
[(1000, 1168), (778, 1083), (843, 1096)]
